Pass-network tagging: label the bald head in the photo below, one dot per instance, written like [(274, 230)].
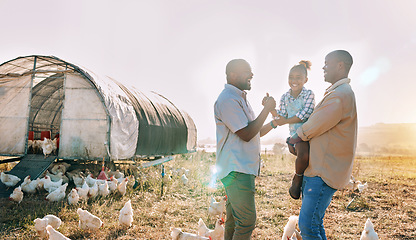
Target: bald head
[(239, 74), (234, 65), (343, 56), (337, 66)]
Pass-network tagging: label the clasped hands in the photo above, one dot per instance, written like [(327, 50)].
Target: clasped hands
[(277, 120), (269, 103)]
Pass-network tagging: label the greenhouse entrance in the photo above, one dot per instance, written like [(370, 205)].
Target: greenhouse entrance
[(45, 111)]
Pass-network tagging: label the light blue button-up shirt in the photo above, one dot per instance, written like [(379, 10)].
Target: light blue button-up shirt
[(232, 113)]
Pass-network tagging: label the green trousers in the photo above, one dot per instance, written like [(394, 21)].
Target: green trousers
[(240, 206)]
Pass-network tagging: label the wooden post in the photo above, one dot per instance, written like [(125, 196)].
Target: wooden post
[(163, 175)]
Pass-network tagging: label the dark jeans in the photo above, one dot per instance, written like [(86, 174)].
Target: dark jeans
[(316, 197)]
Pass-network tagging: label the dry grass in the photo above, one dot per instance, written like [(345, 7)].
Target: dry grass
[(390, 202)]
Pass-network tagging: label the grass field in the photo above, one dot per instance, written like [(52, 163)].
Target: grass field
[(389, 201)]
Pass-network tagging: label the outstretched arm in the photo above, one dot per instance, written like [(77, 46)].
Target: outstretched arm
[(254, 127), (282, 121), (267, 127)]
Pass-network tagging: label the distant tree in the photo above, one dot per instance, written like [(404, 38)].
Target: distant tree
[(363, 147), (278, 148)]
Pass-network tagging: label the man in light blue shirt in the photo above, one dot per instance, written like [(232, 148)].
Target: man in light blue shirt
[(238, 148)]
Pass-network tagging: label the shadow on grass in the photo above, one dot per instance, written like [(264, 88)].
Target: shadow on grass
[(81, 234), (358, 204), (117, 232)]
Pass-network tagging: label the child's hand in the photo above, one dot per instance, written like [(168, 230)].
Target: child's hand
[(279, 121)]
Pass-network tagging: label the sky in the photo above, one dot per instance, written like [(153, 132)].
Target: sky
[(179, 48)]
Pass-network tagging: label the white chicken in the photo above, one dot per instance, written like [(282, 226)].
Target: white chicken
[(217, 208), (55, 235), (177, 234), (103, 189), (75, 172), (175, 171), (90, 180), (59, 167), (58, 176), (296, 236), (58, 194), (126, 215), (39, 187), (41, 223), (54, 145), (29, 186), (30, 144), (183, 170), (368, 232), (73, 197), (184, 179), (83, 192), (52, 176), (93, 192), (36, 146), (117, 174), (16, 195), (216, 234), (47, 146), (112, 184), (78, 180), (88, 220), (9, 180), (122, 187), (290, 227), (65, 179), (50, 186), (66, 165), (361, 187)]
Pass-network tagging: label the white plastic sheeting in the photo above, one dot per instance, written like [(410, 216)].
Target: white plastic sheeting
[(124, 124), (14, 114), (84, 121)]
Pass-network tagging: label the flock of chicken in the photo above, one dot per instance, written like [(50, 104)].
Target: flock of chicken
[(354, 185), (291, 233), (216, 210), (46, 226), (46, 145), (55, 183)]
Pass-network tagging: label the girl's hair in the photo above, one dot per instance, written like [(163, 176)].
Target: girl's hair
[(304, 65)]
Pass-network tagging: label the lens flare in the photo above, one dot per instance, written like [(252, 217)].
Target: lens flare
[(371, 74), (212, 183)]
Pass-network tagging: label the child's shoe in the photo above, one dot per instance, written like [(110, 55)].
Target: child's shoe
[(295, 189)]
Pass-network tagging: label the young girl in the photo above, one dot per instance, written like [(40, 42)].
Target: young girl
[(296, 106)]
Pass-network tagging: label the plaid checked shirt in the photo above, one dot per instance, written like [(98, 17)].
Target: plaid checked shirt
[(309, 99)]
